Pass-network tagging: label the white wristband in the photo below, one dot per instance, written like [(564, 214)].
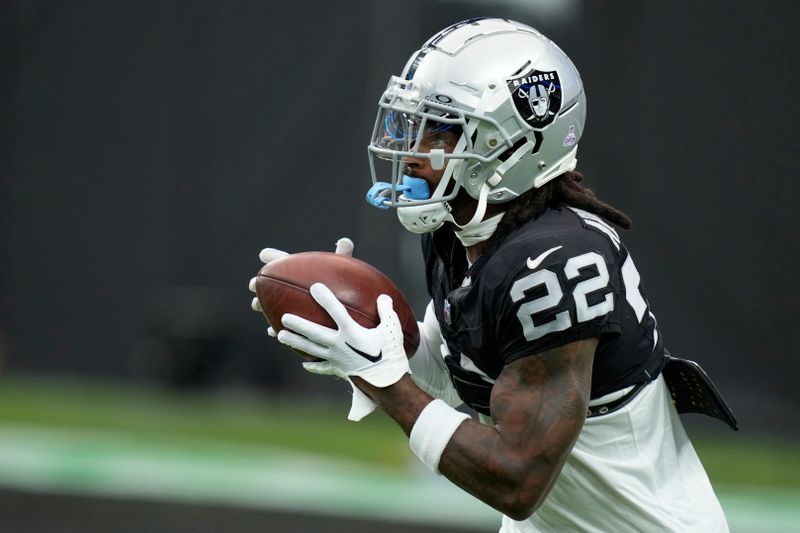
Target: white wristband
[(433, 430)]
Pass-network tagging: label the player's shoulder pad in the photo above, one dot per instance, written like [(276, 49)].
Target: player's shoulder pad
[(549, 241)]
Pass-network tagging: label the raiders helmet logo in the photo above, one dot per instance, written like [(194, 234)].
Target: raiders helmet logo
[(536, 96)]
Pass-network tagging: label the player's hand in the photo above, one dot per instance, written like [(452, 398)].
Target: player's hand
[(374, 354), (267, 255), (362, 405)]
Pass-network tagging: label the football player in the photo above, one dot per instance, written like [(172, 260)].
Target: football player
[(538, 319)]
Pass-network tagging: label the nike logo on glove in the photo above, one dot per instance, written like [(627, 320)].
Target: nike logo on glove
[(368, 357), (533, 264)]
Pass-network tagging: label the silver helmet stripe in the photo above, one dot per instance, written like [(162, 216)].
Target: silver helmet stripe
[(431, 44)]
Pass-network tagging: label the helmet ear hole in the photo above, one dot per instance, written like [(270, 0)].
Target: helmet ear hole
[(516, 146)]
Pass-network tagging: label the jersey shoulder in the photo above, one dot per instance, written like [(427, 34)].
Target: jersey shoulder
[(552, 239), (552, 282)]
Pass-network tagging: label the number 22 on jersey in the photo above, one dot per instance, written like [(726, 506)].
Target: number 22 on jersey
[(553, 294)]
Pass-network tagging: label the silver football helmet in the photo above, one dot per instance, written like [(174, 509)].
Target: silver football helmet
[(515, 100)]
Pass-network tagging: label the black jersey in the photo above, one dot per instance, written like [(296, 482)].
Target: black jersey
[(562, 277)]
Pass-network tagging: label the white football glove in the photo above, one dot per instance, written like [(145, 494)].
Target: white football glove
[(362, 405), (374, 354)]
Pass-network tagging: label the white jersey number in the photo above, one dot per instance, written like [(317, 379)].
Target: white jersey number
[(546, 282)]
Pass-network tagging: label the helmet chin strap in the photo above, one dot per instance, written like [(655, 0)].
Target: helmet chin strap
[(477, 229), (430, 217)]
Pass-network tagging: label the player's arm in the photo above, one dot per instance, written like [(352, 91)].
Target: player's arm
[(539, 405)]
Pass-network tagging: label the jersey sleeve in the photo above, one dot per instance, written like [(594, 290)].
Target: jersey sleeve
[(557, 289), (428, 369)]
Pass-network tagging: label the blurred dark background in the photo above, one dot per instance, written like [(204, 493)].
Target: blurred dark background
[(149, 150)]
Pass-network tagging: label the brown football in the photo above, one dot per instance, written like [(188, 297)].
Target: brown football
[(282, 287)]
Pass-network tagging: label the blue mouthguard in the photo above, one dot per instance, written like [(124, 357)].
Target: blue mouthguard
[(411, 188)]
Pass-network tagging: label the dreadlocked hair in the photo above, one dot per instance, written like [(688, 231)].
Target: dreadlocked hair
[(563, 190)]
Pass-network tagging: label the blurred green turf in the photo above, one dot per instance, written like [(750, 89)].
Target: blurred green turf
[(319, 427), (154, 414)]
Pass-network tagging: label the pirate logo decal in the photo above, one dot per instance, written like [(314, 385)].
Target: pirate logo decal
[(537, 97)]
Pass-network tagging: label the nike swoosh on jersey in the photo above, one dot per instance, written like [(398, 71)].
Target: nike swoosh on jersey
[(368, 357), (533, 264)]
